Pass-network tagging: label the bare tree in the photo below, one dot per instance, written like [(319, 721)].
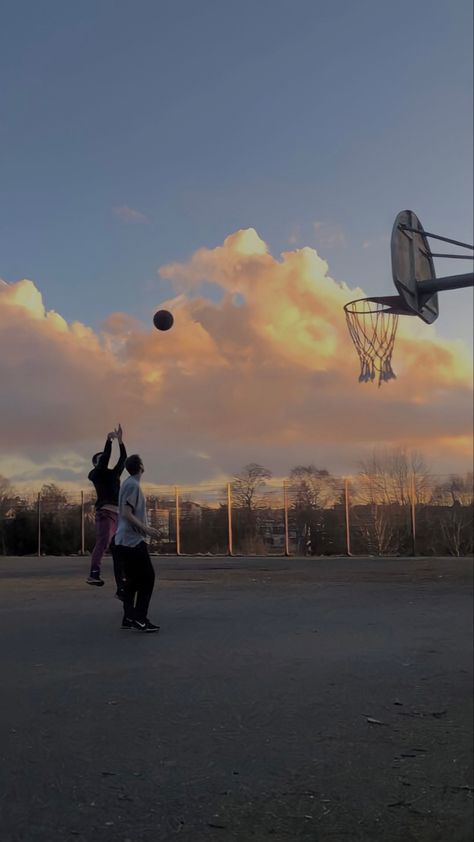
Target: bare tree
[(6, 492), (7, 497), (377, 529), (247, 487), (454, 497), (312, 486), (385, 477), (456, 490), (53, 498), (384, 486), (248, 484)]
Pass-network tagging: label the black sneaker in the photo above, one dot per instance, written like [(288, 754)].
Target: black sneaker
[(95, 580), (150, 627), (144, 626), (126, 623)]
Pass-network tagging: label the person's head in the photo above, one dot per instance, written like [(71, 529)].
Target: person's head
[(95, 459), (134, 465)]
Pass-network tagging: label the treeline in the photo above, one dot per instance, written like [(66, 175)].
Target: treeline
[(53, 521), (393, 505)]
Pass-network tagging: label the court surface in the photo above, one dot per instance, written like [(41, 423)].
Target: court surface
[(284, 700)]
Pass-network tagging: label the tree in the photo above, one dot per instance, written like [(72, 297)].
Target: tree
[(53, 498), (248, 484), (60, 521), (312, 489), (386, 476), (383, 492), (454, 497), (246, 488), (455, 491), (7, 497), (22, 529), (378, 529)]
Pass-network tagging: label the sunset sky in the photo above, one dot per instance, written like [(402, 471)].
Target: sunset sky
[(241, 164)]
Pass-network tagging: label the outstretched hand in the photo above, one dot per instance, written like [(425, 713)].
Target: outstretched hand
[(119, 433), (112, 435)]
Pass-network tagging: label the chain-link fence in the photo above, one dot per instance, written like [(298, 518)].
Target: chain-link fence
[(318, 515)]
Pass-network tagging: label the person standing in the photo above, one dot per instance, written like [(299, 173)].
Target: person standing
[(131, 549), (107, 485)]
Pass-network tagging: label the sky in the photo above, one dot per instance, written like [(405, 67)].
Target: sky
[(241, 163)]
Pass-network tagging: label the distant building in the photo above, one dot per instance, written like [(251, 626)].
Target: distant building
[(190, 511), (160, 519)]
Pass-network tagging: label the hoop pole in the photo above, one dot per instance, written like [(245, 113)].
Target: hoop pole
[(435, 236), (449, 282)]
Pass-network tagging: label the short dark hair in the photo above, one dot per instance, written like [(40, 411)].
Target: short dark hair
[(96, 457), (133, 464)]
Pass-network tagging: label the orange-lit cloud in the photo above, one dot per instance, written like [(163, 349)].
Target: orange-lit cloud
[(268, 373)]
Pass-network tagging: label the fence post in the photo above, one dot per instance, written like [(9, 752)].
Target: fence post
[(285, 506), (413, 514), (229, 519), (348, 521), (178, 532), (39, 524), (83, 542)]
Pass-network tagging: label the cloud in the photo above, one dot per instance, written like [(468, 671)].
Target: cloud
[(295, 235), (130, 216), (267, 374), (329, 235), (374, 242), (58, 378)]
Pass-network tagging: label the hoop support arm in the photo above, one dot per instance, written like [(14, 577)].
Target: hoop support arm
[(453, 256), (435, 236), (449, 282)]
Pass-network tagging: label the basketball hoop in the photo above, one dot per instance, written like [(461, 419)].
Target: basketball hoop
[(372, 324)]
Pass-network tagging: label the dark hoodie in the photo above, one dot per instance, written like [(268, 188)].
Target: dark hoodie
[(107, 480)]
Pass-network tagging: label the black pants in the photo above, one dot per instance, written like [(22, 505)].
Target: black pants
[(139, 580), (118, 566)]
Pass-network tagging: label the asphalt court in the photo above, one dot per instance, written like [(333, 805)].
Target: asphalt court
[(284, 699)]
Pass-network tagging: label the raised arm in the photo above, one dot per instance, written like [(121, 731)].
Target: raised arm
[(105, 455), (123, 453)]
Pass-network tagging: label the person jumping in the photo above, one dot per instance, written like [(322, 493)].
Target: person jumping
[(106, 482)]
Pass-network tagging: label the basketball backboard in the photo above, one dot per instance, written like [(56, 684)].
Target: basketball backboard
[(412, 265)]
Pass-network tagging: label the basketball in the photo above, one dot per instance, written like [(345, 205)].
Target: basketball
[(163, 320)]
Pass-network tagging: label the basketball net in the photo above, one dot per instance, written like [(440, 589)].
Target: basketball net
[(373, 326)]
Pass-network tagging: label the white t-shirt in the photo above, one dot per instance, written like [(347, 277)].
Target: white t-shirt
[(131, 498)]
